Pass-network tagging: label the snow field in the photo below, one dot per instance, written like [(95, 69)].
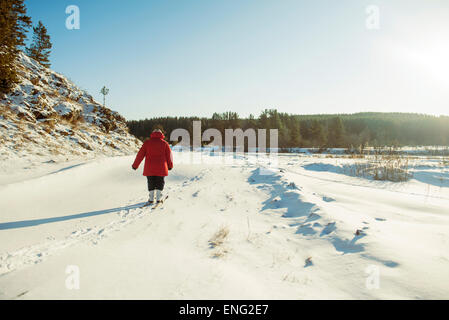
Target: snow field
[(302, 232)]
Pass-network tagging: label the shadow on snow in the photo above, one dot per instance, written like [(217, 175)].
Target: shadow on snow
[(36, 222), (285, 195), (282, 195)]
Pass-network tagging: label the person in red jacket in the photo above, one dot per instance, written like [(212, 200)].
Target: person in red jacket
[(158, 161)]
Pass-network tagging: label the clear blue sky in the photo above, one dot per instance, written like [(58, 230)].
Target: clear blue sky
[(196, 57)]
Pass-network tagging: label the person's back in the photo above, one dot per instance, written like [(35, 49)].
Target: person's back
[(158, 155), (158, 161)]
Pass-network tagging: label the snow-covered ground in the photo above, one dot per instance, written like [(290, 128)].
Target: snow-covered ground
[(306, 231)]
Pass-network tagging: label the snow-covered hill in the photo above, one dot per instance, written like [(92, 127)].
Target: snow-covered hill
[(49, 117)]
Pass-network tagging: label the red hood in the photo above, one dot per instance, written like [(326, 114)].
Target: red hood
[(157, 134)]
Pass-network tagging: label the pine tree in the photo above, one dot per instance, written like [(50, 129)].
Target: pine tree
[(317, 133), (252, 122), (39, 49), (13, 26), (104, 91), (295, 133), (335, 136)]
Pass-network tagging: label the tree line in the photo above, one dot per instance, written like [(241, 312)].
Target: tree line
[(14, 25), (352, 131)]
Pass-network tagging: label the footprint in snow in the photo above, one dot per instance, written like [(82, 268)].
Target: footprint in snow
[(308, 262), (381, 219), (330, 227), (313, 216), (306, 230), (328, 199), (292, 185)]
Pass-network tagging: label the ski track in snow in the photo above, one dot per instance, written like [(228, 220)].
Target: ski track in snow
[(12, 261)]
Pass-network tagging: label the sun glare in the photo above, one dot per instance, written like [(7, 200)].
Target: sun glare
[(431, 58)]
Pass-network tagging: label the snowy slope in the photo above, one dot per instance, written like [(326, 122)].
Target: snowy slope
[(47, 117), (88, 216)]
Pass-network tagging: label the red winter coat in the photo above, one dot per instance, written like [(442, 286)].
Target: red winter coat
[(157, 154)]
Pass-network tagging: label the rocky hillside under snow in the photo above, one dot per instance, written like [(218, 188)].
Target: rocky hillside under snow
[(47, 116)]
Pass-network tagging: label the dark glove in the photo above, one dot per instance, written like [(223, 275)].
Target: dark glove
[(169, 169), (133, 168)]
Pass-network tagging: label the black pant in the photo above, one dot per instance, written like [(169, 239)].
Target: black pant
[(155, 182)]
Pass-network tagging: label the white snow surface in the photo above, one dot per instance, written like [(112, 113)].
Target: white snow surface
[(291, 234)]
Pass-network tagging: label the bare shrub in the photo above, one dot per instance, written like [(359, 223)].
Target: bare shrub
[(53, 93), (85, 145), (444, 162), (54, 151), (444, 165), (6, 112), (356, 156), (63, 133), (76, 121), (18, 146), (390, 167), (217, 241), (112, 145), (74, 118), (21, 127), (219, 237), (221, 252), (47, 130)]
